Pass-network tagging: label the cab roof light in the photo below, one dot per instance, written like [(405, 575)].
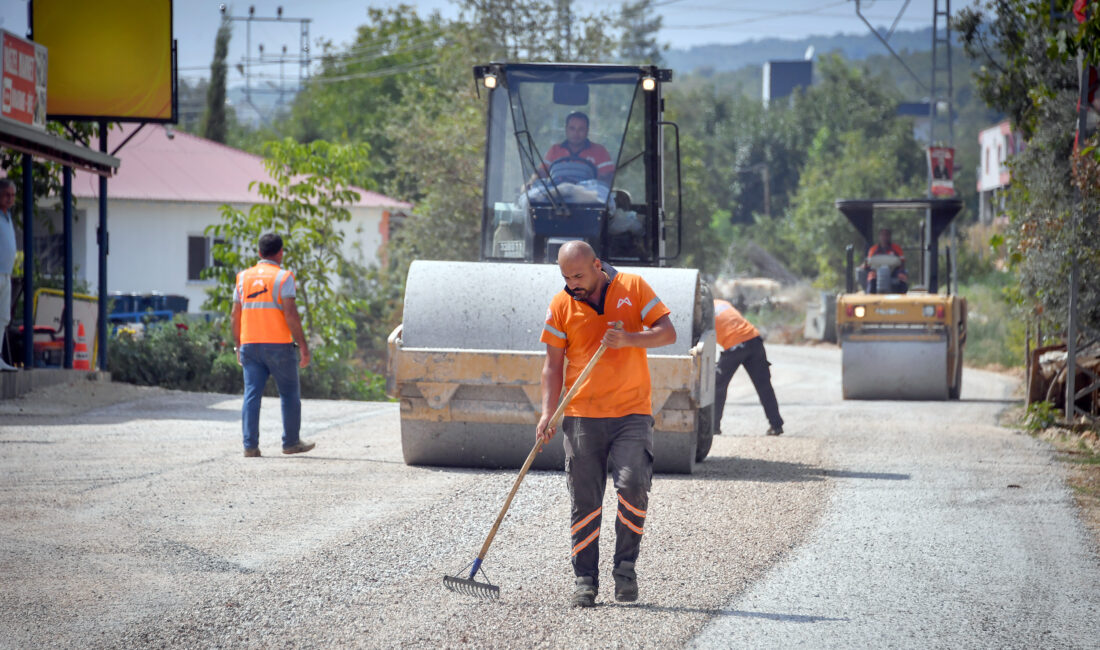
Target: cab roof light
[(649, 83)]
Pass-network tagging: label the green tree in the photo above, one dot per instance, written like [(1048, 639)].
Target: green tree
[(852, 164), (214, 122), (306, 202), (639, 25), (1028, 73)]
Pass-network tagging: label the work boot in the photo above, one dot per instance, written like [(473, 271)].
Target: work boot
[(252, 453), (626, 582), (299, 448), (584, 594), (775, 431)]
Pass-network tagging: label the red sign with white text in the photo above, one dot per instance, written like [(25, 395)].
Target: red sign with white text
[(24, 80), (941, 167)]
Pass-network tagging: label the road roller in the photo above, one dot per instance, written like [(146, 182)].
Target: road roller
[(466, 361), (900, 346)]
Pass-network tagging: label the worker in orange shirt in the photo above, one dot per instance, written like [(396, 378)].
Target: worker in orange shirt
[(899, 277), (741, 345), (609, 423), (269, 341)]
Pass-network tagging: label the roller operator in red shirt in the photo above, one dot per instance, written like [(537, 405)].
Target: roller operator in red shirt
[(609, 423), (577, 158), (899, 277)]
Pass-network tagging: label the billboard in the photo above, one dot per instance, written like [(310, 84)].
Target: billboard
[(109, 59), (941, 171), (24, 80)]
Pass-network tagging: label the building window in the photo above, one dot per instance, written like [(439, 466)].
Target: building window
[(200, 255), (49, 254)]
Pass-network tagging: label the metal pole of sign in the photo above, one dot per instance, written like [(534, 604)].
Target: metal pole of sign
[(1071, 325), (28, 262), (104, 248), (67, 319)]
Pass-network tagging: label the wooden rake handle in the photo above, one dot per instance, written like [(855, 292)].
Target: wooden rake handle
[(555, 420)]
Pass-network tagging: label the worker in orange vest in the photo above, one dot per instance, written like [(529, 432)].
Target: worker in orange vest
[(899, 277), (742, 345), (608, 425), (269, 341)]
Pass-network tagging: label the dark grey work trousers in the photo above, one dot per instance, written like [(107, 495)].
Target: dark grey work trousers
[(750, 354), (623, 445)]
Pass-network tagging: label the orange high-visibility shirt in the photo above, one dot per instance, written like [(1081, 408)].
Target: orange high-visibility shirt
[(893, 249), (261, 290), (619, 384), (730, 326)]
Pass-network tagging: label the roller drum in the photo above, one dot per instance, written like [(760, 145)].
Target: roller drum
[(477, 403), (895, 369)]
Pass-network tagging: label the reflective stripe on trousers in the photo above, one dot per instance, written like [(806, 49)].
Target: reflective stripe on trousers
[(592, 447)]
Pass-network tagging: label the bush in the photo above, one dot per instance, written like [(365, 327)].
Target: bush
[(993, 335), (1041, 415), (194, 355)]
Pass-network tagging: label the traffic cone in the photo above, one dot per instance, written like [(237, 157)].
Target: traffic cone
[(81, 360)]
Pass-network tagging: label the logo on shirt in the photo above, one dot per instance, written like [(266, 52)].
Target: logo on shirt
[(257, 293), (624, 301)]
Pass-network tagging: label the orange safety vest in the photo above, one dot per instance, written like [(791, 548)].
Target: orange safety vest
[(730, 326), (619, 384), (260, 289), (894, 249)]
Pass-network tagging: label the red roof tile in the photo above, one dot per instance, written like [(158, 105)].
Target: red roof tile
[(187, 168)]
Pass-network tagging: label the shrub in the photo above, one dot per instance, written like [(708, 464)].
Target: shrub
[(195, 355)]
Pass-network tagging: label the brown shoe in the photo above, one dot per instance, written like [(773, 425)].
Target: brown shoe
[(299, 448), (252, 453)]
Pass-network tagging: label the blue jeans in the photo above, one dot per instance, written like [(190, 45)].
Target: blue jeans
[(279, 360)]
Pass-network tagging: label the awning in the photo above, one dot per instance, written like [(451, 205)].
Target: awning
[(50, 147)]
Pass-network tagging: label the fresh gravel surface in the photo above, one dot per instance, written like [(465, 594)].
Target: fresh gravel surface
[(130, 518)]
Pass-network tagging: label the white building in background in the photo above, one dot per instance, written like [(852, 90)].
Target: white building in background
[(169, 188), (997, 144)]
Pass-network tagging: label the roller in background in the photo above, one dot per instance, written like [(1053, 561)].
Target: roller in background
[(902, 345)]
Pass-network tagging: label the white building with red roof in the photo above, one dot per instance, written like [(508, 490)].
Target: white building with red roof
[(169, 187)]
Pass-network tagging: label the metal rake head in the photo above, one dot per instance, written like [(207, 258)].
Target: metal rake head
[(470, 586)]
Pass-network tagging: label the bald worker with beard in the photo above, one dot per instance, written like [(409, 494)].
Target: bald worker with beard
[(609, 423)]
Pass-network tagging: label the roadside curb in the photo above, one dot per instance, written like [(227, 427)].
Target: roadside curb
[(14, 384)]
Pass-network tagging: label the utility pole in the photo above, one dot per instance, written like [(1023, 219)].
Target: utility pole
[(301, 57), (942, 110)]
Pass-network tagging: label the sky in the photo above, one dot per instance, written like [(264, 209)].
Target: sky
[(687, 23)]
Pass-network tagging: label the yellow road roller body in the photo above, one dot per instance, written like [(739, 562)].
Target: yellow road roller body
[(901, 346)]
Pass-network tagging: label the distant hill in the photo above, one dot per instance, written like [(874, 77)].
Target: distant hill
[(725, 58)]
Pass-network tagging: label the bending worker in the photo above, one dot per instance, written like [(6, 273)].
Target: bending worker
[(609, 423), (741, 345), (266, 328), (899, 277)]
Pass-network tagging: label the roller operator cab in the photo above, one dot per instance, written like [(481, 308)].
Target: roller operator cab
[(573, 151), (900, 345)]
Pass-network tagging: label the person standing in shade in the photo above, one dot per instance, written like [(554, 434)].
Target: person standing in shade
[(7, 263), (741, 345), (266, 329)]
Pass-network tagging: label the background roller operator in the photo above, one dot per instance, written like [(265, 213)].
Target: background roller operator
[(609, 423), (899, 277), (741, 345)]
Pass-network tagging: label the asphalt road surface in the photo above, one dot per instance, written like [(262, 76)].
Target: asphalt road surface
[(128, 517)]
